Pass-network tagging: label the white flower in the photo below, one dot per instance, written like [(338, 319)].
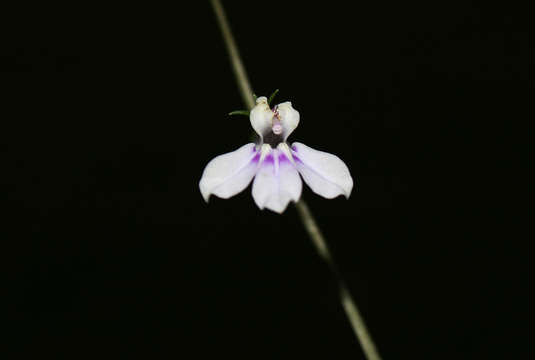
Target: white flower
[(274, 165)]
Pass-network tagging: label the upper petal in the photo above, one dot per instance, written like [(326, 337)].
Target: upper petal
[(277, 182), (325, 173), (261, 117), (289, 118), (228, 174)]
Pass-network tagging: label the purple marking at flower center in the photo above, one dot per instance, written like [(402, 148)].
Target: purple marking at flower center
[(256, 158), (269, 159), (295, 157), (283, 158)]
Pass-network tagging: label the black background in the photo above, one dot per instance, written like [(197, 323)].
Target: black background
[(113, 112)]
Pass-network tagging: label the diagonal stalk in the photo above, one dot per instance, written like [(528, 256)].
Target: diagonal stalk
[(310, 224)]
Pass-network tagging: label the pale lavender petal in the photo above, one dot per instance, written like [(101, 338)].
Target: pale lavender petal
[(228, 174), (325, 173), (277, 182)]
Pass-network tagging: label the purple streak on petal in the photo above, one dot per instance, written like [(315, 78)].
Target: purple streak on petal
[(269, 159), (256, 158), (296, 158), (283, 158)]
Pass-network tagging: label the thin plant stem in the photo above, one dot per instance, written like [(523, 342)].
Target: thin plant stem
[(237, 65), (350, 307)]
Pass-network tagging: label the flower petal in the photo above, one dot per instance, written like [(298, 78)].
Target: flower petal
[(228, 174), (261, 117), (325, 173), (289, 118), (276, 182)]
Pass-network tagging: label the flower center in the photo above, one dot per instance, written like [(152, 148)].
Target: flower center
[(274, 137), (276, 121)]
